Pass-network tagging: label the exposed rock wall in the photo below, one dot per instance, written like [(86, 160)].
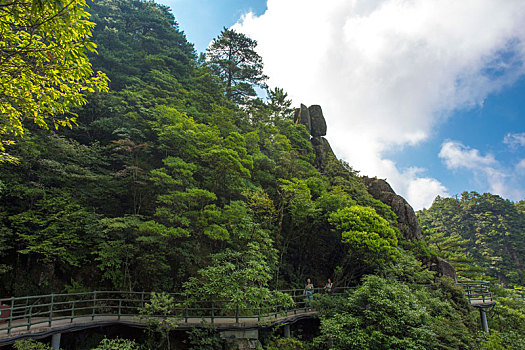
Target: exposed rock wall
[(317, 121), (322, 151), (302, 116), (406, 217), (443, 268), (312, 118)]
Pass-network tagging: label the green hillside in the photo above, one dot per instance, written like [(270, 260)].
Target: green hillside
[(164, 172), (181, 179), (479, 234)]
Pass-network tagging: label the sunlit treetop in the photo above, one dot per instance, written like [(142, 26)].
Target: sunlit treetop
[(44, 70)]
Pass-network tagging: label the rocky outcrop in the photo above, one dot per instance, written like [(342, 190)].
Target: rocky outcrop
[(312, 117), (317, 121), (322, 150), (406, 217), (302, 116), (443, 268)]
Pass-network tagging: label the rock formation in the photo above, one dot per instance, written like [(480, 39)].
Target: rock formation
[(443, 268), (406, 217), (312, 118), (317, 122), (322, 151), (302, 116)]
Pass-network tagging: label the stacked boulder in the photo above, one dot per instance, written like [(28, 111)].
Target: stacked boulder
[(312, 118)]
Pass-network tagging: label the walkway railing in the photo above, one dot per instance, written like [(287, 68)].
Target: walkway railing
[(25, 312), (478, 292)]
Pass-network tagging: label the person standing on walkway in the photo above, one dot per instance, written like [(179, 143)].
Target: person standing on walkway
[(308, 292), (328, 287)]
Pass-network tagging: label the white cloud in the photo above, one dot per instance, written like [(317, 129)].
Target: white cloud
[(387, 71), (514, 140), (488, 172), (521, 166), (456, 155)]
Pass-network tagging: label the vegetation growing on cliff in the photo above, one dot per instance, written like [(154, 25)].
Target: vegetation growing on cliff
[(44, 69), (181, 179), (166, 182)]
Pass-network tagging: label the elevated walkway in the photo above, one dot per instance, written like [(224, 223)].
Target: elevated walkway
[(480, 297), (45, 315)]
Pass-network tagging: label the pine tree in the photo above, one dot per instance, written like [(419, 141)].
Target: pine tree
[(233, 58)]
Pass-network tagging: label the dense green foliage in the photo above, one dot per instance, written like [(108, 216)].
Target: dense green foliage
[(166, 184), (117, 344), (30, 344), (387, 314), (181, 180), (369, 237), (105, 344), (44, 69), (478, 233)]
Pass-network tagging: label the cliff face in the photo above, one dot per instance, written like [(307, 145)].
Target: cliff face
[(312, 118), (406, 217)]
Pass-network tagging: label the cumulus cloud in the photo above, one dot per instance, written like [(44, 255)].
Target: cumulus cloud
[(514, 140), (456, 155), (520, 167), (488, 172), (386, 72)]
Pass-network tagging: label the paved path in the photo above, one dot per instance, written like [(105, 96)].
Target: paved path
[(42, 329)]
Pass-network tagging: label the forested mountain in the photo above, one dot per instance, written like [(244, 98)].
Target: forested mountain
[(478, 233), (165, 177), (181, 179)]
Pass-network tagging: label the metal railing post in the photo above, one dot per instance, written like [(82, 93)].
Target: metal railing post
[(11, 315), (29, 318), (51, 309), (186, 313), (72, 311), (237, 313), (119, 308), (94, 305)]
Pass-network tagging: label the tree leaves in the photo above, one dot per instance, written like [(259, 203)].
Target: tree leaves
[(44, 70)]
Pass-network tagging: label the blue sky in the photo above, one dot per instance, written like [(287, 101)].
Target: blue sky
[(428, 94), (203, 20)]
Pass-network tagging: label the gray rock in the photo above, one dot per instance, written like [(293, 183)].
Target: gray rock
[(406, 217), (317, 121), (443, 268), (323, 151), (302, 116)]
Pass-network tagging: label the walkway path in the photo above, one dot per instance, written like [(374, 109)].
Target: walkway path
[(43, 315)]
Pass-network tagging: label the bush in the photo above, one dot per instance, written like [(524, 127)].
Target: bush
[(388, 314), (117, 344), (30, 344)]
